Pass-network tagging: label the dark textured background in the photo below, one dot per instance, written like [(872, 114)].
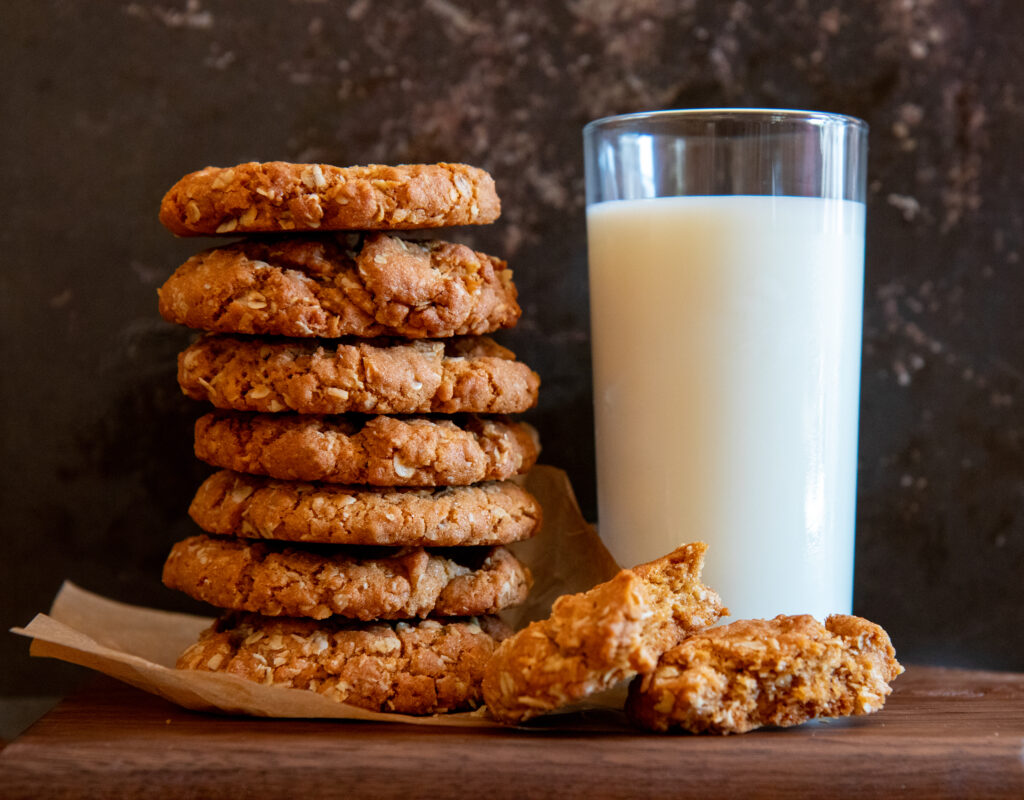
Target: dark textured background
[(106, 104)]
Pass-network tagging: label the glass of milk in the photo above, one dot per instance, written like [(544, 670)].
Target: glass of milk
[(726, 252)]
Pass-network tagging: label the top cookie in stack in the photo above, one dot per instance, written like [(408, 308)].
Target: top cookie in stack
[(280, 196), (326, 331)]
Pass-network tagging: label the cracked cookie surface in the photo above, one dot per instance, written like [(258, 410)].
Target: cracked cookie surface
[(780, 672), (469, 374), (344, 285), (272, 579), (378, 451), (280, 196), (234, 504), (597, 638), (426, 667)]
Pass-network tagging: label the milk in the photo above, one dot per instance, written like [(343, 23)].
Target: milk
[(726, 345)]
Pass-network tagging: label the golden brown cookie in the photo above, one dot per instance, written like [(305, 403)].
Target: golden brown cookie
[(597, 638), (275, 580), (342, 285), (233, 504), (780, 672), (378, 451), (425, 667), (279, 196), (471, 374)]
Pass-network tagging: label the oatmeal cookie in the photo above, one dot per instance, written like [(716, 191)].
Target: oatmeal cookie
[(275, 580), (233, 504), (425, 667), (597, 638), (279, 196), (378, 451), (779, 672), (470, 374), (343, 285)]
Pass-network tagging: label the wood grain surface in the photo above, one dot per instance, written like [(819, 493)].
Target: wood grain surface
[(944, 734)]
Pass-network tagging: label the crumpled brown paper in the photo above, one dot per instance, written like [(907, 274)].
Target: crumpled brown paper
[(140, 645)]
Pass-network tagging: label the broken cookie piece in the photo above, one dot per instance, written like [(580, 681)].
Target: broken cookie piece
[(779, 672), (597, 638)]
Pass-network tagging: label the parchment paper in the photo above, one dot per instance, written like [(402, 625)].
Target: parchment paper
[(140, 645)]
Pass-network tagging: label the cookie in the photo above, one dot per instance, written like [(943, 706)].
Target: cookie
[(471, 374), (233, 504), (344, 285), (597, 638), (273, 579), (279, 196), (378, 451), (779, 672), (425, 667)]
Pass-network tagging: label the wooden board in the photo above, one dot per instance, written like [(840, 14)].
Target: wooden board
[(944, 733)]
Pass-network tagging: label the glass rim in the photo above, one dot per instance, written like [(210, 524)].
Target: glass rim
[(737, 114)]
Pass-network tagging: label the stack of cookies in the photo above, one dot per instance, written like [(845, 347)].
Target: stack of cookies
[(355, 531)]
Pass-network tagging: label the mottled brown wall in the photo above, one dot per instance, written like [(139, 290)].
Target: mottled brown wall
[(105, 104)]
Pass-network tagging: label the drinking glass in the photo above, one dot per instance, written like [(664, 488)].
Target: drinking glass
[(726, 256)]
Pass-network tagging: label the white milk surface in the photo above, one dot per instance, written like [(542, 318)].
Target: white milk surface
[(726, 342)]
